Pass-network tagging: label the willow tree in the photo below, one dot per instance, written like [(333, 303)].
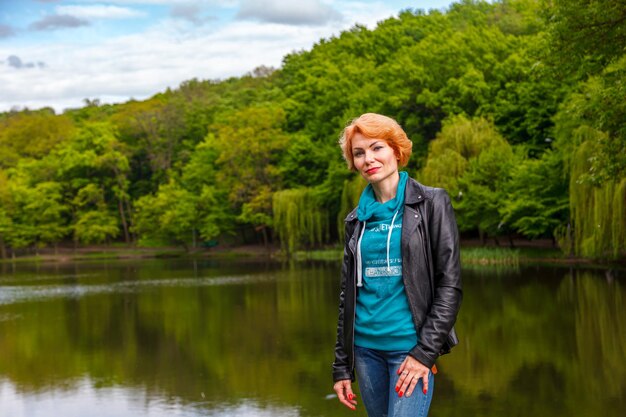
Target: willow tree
[(350, 194), (598, 212), (591, 133), (300, 219), (472, 161), (460, 140)]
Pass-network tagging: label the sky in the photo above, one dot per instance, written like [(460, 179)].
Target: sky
[(57, 53)]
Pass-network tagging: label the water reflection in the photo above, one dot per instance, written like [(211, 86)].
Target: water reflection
[(548, 342), (87, 399), (15, 294), (161, 338)]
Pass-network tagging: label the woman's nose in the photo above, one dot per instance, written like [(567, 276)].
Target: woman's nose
[(369, 156)]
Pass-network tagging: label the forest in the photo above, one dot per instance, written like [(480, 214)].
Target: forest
[(516, 107)]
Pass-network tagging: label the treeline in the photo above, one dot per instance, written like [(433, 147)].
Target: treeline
[(516, 107)]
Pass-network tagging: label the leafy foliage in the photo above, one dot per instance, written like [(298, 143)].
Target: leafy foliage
[(586, 35), (536, 203), (502, 100)]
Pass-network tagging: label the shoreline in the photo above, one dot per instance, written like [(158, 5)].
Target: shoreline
[(472, 253)]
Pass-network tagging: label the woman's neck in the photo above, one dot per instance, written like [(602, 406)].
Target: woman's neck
[(386, 189)]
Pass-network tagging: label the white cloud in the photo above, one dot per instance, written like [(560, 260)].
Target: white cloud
[(192, 12), (60, 21), (367, 13), (292, 12), (6, 31), (143, 64), (16, 62), (98, 12), (222, 3)]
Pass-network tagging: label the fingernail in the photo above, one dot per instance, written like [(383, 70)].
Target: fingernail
[(349, 396), (397, 389), (425, 391), (398, 372), (400, 394)]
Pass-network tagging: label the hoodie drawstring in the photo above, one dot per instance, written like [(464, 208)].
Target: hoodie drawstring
[(359, 265), (359, 262), (389, 240)]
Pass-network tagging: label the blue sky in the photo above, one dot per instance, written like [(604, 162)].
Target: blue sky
[(58, 52)]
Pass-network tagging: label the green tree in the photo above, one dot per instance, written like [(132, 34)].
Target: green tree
[(176, 215), (536, 203), (249, 143), (94, 223), (304, 162), (482, 190), (585, 35), (591, 133), (459, 141), (18, 229), (599, 105), (472, 162), (169, 216), (31, 135), (93, 166), (31, 214), (45, 211), (6, 222)]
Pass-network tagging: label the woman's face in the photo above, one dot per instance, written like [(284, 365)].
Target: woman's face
[(373, 158)]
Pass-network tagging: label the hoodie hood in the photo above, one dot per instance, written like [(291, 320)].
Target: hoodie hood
[(371, 210)]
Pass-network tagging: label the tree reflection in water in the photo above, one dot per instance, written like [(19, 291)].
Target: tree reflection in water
[(217, 338)]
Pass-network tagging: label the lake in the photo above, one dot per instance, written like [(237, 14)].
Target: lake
[(249, 338)]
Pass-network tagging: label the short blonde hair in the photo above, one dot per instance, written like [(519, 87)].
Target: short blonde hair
[(376, 126)]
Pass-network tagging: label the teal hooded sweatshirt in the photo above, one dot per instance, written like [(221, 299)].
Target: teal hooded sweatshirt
[(383, 318)]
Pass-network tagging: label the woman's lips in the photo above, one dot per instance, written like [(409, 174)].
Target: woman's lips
[(372, 170)]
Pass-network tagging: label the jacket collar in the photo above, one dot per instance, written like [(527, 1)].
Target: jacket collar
[(414, 193), (351, 216)]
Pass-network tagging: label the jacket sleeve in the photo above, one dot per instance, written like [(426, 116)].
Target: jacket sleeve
[(444, 246), (341, 365)]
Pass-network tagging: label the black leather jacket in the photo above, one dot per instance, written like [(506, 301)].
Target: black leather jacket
[(430, 270)]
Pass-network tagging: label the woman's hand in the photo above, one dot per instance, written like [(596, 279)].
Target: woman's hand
[(343, 388), (410, 373)]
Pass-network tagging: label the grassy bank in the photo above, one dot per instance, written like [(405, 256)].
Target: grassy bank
[(490, 256), (479, 256), (94, 254), (122, 251), (470, 254)]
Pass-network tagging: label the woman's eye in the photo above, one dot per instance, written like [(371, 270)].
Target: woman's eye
[(358, 153)]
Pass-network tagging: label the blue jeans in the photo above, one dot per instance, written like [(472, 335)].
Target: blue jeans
[(376, 371)]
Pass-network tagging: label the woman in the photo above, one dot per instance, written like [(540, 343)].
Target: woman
[(400, 283)]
